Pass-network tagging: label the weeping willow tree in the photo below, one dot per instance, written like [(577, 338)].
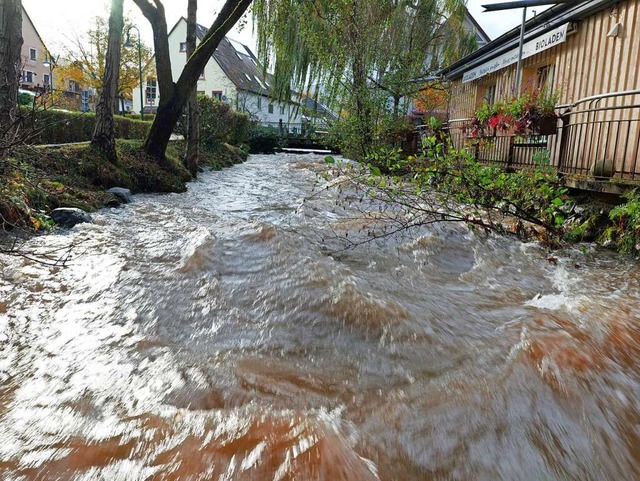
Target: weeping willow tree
[(368, 55)]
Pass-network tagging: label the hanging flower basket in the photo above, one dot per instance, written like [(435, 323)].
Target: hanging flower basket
[(547, 124)]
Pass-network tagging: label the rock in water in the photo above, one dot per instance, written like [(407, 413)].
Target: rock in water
[(68, 216), (121, 193)]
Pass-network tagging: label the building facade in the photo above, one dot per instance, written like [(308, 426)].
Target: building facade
[(589, 53), (45, 78), (36, 73), (232, 75)]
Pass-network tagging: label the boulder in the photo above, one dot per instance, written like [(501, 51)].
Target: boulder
[(121, 193), (68, 216)]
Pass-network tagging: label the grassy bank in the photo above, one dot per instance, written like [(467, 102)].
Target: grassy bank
[(37, 180)]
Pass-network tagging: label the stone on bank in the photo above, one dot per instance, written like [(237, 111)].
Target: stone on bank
[(124, 195), (69, 216)]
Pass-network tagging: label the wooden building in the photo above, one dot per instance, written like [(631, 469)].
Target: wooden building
[(587, 51)]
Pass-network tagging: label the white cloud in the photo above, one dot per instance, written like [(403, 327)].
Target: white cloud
[(497, 23)]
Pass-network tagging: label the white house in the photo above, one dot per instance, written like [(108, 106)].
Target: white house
[(232, 75)]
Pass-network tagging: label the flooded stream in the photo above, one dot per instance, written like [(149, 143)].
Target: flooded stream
[(210, 336)]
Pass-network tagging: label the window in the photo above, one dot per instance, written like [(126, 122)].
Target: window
[(201, 92), (270, 108), (28, 77), (183, 46), (490, 96), (84, 101), (46, 80), (545, 77), (33, 54), (152, 91), (74, 86), (217, 95), (282, 110)]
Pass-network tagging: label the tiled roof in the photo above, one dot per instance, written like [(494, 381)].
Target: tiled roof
[(240, 64)]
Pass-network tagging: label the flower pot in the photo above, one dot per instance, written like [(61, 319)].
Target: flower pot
[(547, 125)]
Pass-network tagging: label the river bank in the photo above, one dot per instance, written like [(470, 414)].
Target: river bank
[(39, 179)]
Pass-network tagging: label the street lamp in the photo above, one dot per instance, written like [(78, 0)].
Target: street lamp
[(129, 44)]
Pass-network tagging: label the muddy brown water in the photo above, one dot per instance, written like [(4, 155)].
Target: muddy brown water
[(209, 336)]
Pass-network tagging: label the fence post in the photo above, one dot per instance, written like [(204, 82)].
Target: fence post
[(565, 118), (510, 154)]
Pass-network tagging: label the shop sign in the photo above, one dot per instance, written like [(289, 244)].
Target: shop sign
[(530, 48)]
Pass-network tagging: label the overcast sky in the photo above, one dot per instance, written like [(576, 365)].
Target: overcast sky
[(59, 21)]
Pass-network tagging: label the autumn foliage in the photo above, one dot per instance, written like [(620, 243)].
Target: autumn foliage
[(434, 97)]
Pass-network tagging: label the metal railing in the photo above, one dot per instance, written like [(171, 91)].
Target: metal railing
[(596, 137), (512, 151), (599, 136), (293, 128)]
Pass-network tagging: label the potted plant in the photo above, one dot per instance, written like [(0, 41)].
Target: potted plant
[(546, 102), (489, 119)]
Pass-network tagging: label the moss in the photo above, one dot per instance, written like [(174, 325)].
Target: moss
[(224, 155), (39, 179)]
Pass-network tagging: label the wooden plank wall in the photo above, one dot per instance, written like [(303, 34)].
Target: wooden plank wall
[(588, 63)]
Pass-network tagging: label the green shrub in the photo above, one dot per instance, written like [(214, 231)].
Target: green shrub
[(240, 133), (62, 127), (131, 129), (452, 185), (25, 99), (219, 124), (625, 231), (147, 117), (264, 140), (217, 121)]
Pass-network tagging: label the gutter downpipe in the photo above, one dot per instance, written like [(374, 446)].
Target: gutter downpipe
[(521, 47)]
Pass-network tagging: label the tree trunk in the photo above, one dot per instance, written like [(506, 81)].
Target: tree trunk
[(193, 124), (104, 137), (10, 70), (363, 111), (174, 96)]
